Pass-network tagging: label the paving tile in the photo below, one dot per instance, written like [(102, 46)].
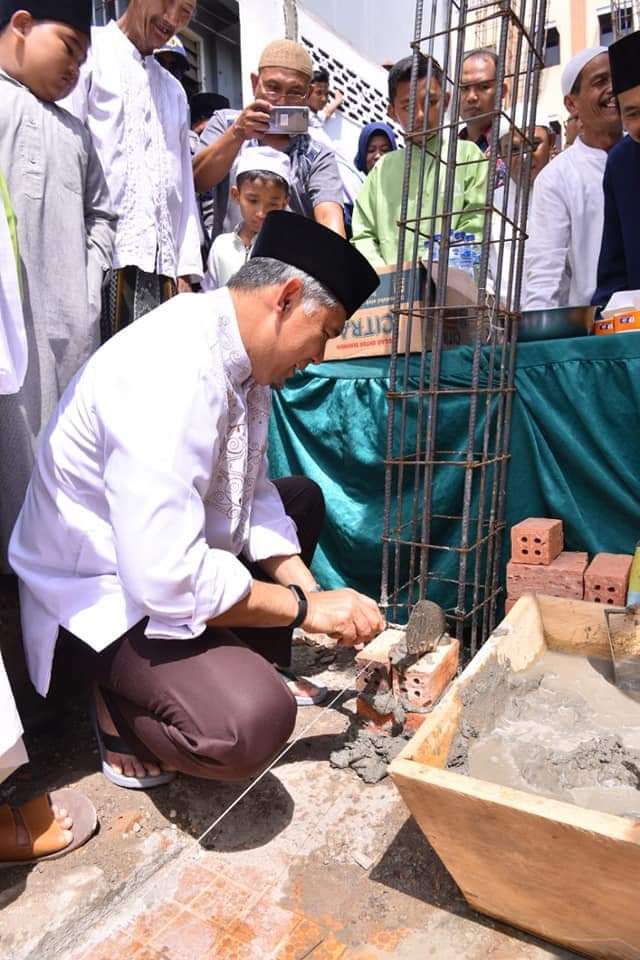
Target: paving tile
[(223, 901), (228, 948), (329, 949), (146, 925), (192, 881), (255, 868), (119, 946), (186, 938), (265, 927), (301, 941), (147, 953)]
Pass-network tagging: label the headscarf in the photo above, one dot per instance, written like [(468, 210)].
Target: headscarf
[(365, 135)]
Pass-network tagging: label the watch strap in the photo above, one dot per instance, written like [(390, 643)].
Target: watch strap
[(301, 615)]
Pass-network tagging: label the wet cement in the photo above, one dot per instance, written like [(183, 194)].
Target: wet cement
[(368, 754), (561, 729)]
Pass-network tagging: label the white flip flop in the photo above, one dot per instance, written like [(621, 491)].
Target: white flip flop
[(301, 699), (107, 741)]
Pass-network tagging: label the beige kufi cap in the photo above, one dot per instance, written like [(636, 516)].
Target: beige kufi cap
[(287, 54)]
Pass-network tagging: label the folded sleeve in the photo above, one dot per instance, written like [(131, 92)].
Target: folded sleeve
[(272, 533), (325, 184), (159, 445)]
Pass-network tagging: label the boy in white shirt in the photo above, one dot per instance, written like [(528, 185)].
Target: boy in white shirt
[(262, 179)]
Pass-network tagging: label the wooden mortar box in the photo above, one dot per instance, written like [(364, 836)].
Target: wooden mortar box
[(560, 871)]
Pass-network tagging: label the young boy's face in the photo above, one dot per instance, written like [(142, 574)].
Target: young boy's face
[(256, 199), (318, 96), (49, 55), (399, 109)]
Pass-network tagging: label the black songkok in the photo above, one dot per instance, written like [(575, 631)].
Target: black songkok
[(321, 253), (624, 57), (74, 13), (204, 105)]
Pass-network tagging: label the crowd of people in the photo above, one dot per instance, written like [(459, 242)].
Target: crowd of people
[(209, 255)]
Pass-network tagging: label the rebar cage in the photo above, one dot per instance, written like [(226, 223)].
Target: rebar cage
[(449, 414)]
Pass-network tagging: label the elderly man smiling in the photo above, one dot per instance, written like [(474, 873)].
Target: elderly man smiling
[(283, 78), (138, 118)]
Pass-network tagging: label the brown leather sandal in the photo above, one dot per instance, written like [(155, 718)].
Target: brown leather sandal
[(45, 835)]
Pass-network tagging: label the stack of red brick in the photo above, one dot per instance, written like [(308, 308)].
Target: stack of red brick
[(540, 564)]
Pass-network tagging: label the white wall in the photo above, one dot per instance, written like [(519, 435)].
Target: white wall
[(368, 25)]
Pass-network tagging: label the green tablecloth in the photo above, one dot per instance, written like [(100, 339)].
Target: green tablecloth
[(575, 446)]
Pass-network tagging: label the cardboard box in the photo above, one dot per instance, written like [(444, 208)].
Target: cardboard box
[(627, 321), (368, 332), (603, 327)]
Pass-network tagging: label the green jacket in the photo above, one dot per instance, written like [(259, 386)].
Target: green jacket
[(377, 207), (10, 215)]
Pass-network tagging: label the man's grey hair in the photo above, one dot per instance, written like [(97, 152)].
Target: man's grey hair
[(265, 272)]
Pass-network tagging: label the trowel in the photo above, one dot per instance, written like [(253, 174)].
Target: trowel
[(426, 627), (624, 643)]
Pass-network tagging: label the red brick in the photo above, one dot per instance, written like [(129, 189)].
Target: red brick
[(377, 650), (375, 722), (564, 577), (607, 578), (266, 927), (536, 540), (424, 682)]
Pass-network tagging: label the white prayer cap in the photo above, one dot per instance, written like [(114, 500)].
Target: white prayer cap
[(264, 158), (576, 65)]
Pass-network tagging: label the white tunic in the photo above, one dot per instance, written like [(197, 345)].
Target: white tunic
[(13, 337), (150, 481), (565, 229), (12, 751), (137, 114)]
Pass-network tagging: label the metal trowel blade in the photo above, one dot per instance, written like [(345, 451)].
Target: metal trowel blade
[(426, 627), (624, 642)]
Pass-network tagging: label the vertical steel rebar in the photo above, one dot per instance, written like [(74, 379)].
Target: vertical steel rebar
[(449, 548)]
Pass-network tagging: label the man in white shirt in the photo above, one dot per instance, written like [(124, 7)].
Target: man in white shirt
[(567, 207), (153, 537), (138, 117)]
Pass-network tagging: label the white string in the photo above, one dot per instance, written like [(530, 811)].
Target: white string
[(282, 753)]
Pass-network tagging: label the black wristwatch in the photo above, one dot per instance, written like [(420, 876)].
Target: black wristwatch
[(301, 615)]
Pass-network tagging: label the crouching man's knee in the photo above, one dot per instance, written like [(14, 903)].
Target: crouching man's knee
[(259, 728)]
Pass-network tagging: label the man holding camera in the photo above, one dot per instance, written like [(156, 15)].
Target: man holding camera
[(283, 80)]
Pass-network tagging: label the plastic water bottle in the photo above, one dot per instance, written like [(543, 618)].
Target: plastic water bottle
[(474, 248), (466, 259), (455, 250)]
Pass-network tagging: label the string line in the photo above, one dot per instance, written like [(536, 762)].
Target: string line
[(282, 753)]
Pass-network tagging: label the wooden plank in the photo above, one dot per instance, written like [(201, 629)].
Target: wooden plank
[(574, 626), (561, 872)]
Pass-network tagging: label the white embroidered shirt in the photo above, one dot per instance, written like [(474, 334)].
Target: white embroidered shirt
[(137, 114), (150, 481)]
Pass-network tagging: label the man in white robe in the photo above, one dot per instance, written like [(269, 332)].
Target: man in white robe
[(567, 206), (138, 117), (152, 535)]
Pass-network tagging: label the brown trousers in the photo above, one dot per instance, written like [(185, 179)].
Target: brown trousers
[(211, 707)]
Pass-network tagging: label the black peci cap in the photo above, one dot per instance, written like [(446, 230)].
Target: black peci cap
[(624, 57), (73, 13), (204, 105), (321, 253)]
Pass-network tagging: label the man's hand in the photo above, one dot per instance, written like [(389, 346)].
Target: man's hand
[(345, 615), (252, 122), (184, 285)]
